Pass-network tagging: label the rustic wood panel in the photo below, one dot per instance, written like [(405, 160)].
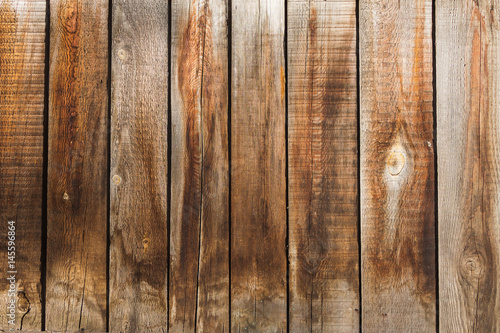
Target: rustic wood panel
[(139, 167), (258, 161), (22, 55), (199, 272), (323, 190), (77, 168), (397, 166), (468, 118)]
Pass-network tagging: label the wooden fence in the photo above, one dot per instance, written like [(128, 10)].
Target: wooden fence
[(250, 165)]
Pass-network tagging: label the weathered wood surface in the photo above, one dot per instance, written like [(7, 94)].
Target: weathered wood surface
[(468, 120), (22, 56), (397, 167), (139, 167), (77, 166), (200, 244), (323, 205), (258, 161), (199, 247)]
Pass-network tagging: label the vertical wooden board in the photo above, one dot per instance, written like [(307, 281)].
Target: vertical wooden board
[(468, 118), (139, 167), (397, 167), (77, 168), (22, 56), (323, 191), (258, 184), (199, 271)]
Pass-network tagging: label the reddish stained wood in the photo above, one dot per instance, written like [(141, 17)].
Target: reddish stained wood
[(258, 203), (77, 187), (467, 54), (324, 283), (199, 272), (397, 167), (22, 54), (139, 167)]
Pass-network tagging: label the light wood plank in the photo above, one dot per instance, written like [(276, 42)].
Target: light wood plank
[(397, 167), (468, 120), (77, 169), (258, 203), (323, 180), (22, 56), (139, 167), (199, 271)]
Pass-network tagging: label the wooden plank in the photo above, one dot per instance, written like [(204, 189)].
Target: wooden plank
[(139, 167), (468, 114), (22, 56), (258, 155), (323, 190), (77, 169), (397, 166), (199, 271)]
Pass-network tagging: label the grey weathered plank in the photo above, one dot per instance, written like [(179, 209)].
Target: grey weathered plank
[(22, 34), (258, 184), (468, 115), (199, 271), (397, 167), (139, 167), (77, 167), (323, 190)]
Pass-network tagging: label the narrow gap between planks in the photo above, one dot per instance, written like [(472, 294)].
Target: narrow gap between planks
[(229, 136), (436, 193), (287, 200), (43, 256), (358, 143), (169, 153), (108, 167)]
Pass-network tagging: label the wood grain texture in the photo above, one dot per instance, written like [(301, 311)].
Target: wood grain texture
[(77, 168), (258, 156), (22, 56), (468, 118), (199, 248), (323, 208), (139, 167), (397, 167)]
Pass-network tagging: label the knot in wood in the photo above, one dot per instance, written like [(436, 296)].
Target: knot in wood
[(23, 302), (472, 266), (65, 196), (145, 243), (122, 55), (117, 180), (396, 163)]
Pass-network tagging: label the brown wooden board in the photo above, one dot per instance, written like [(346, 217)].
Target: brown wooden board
[(468, 88), (258, 161), (22, 56), (139, 167), (199, 247), (323, 190), (77, 166), (397, 166)]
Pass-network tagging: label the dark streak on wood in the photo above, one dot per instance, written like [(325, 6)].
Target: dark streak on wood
[(323, 160), (184, 269), (67, 155), (199, 286)]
